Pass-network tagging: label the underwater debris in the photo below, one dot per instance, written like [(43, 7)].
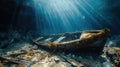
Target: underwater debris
[(26, 56), (38, 57), (113, 55), (71, 61)]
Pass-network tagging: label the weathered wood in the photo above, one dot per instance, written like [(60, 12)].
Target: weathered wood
[(5, 59), (22, 53), (71, 61), (93, 39)]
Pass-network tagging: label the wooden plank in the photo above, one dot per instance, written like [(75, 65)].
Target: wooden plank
[(47, 40), (60, 39), (13, 60), (39, 38), (70, 60)]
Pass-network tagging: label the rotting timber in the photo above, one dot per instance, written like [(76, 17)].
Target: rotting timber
[(89, 40)]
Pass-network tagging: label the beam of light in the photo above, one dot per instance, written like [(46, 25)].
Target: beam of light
[(58, 16)]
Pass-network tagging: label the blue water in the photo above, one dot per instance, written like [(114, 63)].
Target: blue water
[(59, 16)]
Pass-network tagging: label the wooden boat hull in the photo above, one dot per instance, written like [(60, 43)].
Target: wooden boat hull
[(91, 40)]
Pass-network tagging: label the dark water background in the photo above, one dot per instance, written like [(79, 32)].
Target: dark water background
[(53, 16)]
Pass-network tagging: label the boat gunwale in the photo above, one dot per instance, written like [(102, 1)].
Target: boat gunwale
[(67, 42)]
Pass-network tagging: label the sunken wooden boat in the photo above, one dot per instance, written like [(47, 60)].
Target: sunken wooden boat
[(81, 41)]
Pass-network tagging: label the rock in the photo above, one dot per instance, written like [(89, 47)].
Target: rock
[(69, 55), (73, 56), (56, 59), (106, 64)]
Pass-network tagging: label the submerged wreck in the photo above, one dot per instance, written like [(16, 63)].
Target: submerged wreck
[(89, 40)]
